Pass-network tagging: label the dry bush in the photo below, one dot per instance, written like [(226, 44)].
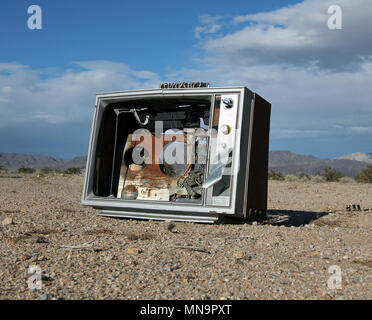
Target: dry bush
[(331, 175), (317, 179), (304, 178), (346, 180), (46, 171), (365, 176), (3, 170), (291, 178), (25, 170), (274, 175), (73, 171)]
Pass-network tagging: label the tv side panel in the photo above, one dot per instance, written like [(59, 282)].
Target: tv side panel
[(256, 196)]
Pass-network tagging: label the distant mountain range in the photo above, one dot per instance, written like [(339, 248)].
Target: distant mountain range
[(358, 156), (291, 163), (13, 161), (283, 161)]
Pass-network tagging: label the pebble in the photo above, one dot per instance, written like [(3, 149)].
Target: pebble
[(46, 296), (7, 221), (170, 226), (41, 240), (134, 251), (26, 257)]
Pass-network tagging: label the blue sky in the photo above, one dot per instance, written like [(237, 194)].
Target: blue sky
[(318, 80), (151, 35)]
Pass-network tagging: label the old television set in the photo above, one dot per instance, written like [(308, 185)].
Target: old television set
[(182, 152)]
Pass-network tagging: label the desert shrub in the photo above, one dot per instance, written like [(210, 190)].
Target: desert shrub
[(274, 175), (26, 170), (365, 176), (46, 170), (346, 180), (331, 175), (1, 167), (291, 178), (304, 175), (72, 171), (304, 178), (317, 178)]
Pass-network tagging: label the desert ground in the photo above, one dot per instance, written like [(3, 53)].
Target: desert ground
[(85, 256)]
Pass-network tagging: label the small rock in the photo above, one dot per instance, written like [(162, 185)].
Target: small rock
[(65, 281), (46, 296), (35, 257), (254, 223), (41, 240), (170, 226), (46, 278), (7, 221), (42, 258), (26, 257), (313, 253), (134, 251), (240, 254)]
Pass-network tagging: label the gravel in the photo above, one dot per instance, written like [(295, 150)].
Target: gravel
[(84, 256)]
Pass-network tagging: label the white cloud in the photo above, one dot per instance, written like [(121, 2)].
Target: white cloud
[(28, 95), (299, 35), (318, 80), (305, 103), (360, 130), (208, 25)]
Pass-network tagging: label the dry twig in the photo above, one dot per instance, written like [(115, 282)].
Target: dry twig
[(190, 248)]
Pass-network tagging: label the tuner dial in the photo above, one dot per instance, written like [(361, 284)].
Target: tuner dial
[(228, 102), (225, 129)]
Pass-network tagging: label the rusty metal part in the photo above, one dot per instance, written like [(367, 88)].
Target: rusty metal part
[(148, 181)]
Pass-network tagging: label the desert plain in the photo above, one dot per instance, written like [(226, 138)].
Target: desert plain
[(310, 247)]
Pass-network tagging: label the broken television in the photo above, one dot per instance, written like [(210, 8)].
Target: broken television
[(175, 154)]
